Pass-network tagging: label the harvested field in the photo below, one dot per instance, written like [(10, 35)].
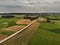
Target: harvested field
[(14, 28), (2, 36), (24, 21)]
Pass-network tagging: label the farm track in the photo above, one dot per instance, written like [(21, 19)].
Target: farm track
[(23, 37)]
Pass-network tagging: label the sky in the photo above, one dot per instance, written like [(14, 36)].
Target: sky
[(29, 6)]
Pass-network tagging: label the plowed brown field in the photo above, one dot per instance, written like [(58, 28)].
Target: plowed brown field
[(24, 21), (14, 28), (2, 36)]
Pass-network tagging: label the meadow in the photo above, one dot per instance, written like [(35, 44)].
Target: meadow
[(48, 33)]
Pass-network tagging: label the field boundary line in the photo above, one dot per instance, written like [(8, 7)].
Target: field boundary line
[(5, 39)]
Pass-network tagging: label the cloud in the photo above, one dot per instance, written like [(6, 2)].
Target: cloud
[(29, 5)]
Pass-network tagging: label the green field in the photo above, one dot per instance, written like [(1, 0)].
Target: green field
[(7, 22), (47, 34), (54, 17)]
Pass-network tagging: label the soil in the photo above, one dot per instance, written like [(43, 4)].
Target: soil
[(24, 21), (2, 36), (14, 28)]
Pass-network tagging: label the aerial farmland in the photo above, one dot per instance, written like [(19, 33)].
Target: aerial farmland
[(30, 29), (10, 25)]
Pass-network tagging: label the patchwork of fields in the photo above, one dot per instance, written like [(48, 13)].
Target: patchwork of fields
[(48, 33), (23, 37), (4, 23), (9, 26)]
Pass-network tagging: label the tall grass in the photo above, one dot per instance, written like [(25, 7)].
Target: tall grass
[(45, 35)]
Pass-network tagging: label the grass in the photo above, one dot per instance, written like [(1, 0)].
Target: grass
[(54, 17), (47, 34), (7, 22), (6, 32), (51, 27)]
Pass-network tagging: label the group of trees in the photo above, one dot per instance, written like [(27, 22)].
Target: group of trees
[(8, 16)]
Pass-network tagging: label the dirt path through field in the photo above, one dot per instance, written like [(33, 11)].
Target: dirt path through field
[(23, 37)]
